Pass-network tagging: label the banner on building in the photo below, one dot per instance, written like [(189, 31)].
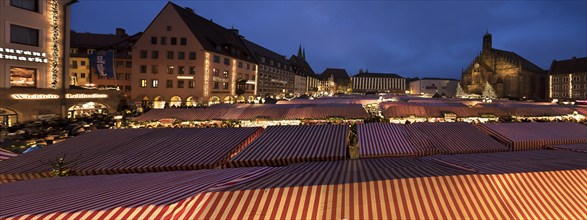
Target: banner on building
[(102, 62)]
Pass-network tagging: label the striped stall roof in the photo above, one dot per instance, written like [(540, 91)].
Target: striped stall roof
[(401, 111), (6, 154), (516, 161), (282, 145), (377, 188), (533, 136), (384, 139), (572, 147), (122, 196), (581, 110), (536, 111), (134, 151), (186, 114), (554, 195), (257, 111)]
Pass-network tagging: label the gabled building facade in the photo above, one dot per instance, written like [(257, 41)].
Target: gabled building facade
[(510, 75), (378, 83), (431, 86), (568, 79), (185, 59)]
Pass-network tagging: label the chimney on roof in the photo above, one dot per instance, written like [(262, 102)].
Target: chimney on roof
[(120, 32), (235, 31), (189, 9)]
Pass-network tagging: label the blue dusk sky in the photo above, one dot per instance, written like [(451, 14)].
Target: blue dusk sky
[(410, 38)]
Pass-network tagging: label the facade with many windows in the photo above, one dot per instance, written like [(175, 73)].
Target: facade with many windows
[(378, 83), (275, 75), (568, 79), (432, 86), (83, 45), (184, 59), (34, 41)]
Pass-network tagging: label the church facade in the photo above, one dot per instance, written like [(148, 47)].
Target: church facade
[(510, 75)]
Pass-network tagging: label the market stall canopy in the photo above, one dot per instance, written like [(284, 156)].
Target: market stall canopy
[(133, 151), (6, 154), (384, 139), (572, 147), (536, 135), (516, 161), (282, 145)]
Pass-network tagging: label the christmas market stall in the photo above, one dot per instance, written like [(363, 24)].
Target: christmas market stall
[(536, 135), (282, 145), (131, 151)]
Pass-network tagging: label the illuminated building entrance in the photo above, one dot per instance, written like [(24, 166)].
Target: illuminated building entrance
[(86, 109), (8, 117)]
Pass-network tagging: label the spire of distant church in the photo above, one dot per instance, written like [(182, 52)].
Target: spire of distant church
[(487, 41), (304, 53), (300, 55)]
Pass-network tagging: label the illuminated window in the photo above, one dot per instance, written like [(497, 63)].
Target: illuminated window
[(91, 51), (180, 69), (143, 83), (215, 72), (565, 79), (170, 69), (31, 5), (24, 35), (23, 77), (155, 83), (225, 74), (192, 70), (191, 84), (225, 85)]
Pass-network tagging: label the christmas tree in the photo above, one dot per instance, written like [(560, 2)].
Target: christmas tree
[(460, 92), (489, 92)]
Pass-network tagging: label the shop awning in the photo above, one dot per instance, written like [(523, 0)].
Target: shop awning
[(282, 145), (6, 154)]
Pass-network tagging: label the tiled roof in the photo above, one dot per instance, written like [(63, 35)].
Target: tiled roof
[(575, 65), (526, 64), (212, 36), (336, 73)]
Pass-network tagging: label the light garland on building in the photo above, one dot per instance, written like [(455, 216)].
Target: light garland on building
[(207, 74), (256, 79), (55, 43), (570, 85), (233, 83), (550, 87)]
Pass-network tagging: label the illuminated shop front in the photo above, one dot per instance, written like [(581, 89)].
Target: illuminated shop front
[(86, 109)]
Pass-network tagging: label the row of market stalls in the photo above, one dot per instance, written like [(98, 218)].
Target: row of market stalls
[(118, 151), (251, 115), (434, 110), (473, 186)]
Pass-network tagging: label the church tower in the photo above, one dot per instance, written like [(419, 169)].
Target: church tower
[(487, 41)]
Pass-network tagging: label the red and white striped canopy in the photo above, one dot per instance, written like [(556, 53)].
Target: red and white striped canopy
[(384, 139), (185, 114), (6, 154), (282, 145), (533, 136), (516, 161), (572, 147), (134, 151)]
